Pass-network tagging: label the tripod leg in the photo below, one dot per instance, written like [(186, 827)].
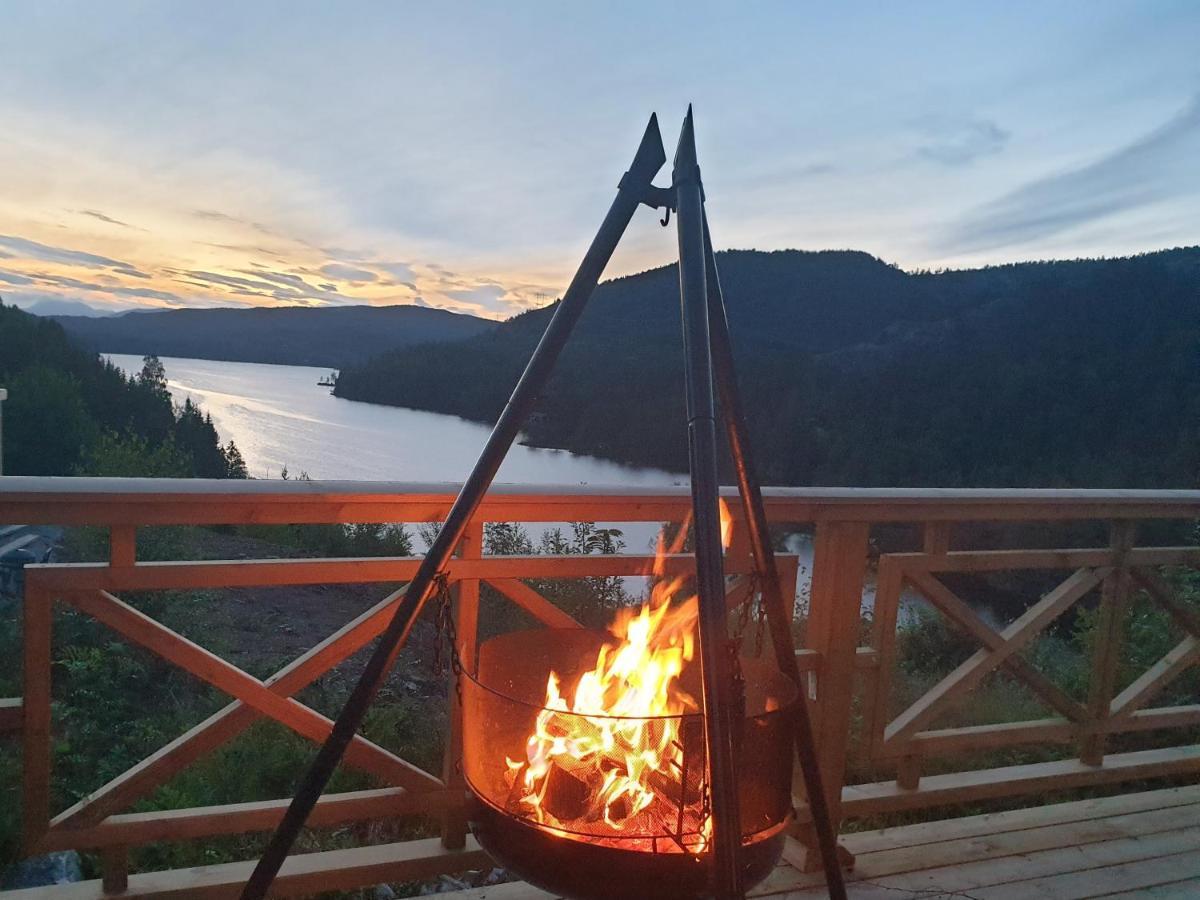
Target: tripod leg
[(634, 186), (710, 580), (778, 608)]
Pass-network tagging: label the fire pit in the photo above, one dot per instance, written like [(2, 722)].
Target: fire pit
[(585, 752)]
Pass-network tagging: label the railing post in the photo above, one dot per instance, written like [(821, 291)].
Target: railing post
[(935, 541), (35, 790), (122, 545), (1106, 654), (114, 869), (834, 617), (466, 614)]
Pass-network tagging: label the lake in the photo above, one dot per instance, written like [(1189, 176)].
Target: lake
[(279, 417)]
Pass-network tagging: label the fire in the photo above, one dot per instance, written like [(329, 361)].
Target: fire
[(607, 756)]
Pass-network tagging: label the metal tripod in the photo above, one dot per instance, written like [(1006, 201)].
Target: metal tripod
[(708, 355)]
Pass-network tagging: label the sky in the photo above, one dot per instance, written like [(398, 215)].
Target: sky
[(461, 155)]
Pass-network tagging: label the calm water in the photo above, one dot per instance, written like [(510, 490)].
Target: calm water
[(278, 416)]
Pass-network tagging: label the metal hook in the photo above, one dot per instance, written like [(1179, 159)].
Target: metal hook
[(666, 218)]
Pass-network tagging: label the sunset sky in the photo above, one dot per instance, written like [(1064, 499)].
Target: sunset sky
[(461, 156)]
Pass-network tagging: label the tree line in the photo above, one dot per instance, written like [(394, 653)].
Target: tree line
[(70, 412)]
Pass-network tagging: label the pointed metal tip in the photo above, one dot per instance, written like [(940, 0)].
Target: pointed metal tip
[(685, 150), (651, 155)]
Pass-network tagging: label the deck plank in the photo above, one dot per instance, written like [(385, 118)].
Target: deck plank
[(1145, 875), (1017, 819), (1139, 840), (994, 878), (1188, 889)]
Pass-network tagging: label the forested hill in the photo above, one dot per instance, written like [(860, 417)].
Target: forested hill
[(70, 413), (294, 335), (1082, 373)]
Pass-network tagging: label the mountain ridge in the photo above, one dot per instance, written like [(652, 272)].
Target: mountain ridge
[(294, 335)]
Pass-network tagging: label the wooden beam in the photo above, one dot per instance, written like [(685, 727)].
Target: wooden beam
[(1004, 560), (835, 610), (134, 829), (225, 676), (466, 635), (969, 621), (156, 576), (936, 538), (114, 867), (302, 874), (1016, 637), (122, 546), (228, 722), (1010, 781), (889, 582), (35, 733), (154, 501), (1109, 638), (972, 738), (533, 603), (11, 714), (1185, 617), (1150, 683)]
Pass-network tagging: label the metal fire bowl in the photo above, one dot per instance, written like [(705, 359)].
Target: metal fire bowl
[(501, 698), (584, 871)]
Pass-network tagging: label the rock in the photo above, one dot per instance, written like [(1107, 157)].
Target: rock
[(444, 885), (53, 868), (498, 875), (383, 892)]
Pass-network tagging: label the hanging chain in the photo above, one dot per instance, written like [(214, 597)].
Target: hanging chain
[(743, 618), (760, 625), (446, 633)]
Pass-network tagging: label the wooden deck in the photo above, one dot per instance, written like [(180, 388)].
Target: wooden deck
[(1132, 845)]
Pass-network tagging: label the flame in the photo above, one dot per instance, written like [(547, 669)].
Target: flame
[(613, 745)]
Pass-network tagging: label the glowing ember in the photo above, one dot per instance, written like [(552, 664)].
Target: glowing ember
[(613, 753)]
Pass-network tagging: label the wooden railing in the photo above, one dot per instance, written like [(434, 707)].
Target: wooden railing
[(850, 683)]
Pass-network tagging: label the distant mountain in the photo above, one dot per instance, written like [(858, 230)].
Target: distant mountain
[(295, 335), (1083, 373), (64, 308)]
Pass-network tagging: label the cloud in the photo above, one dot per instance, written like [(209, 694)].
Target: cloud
[(14, 278), (347, 273), (96, 214), (957, 142), (1158, 166), (402, 272), (213, 215), (47, 253), (65, 281), (486, 296)]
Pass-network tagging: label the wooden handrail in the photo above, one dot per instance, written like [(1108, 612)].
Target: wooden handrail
[(183, 501)]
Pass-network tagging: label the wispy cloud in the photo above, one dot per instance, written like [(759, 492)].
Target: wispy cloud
[(47, 253), (347, 273), (1155, 167), (96, 214), (14, 278), (957, 142)]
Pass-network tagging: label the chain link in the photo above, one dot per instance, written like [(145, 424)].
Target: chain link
[(447, 633), (760, 626)]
